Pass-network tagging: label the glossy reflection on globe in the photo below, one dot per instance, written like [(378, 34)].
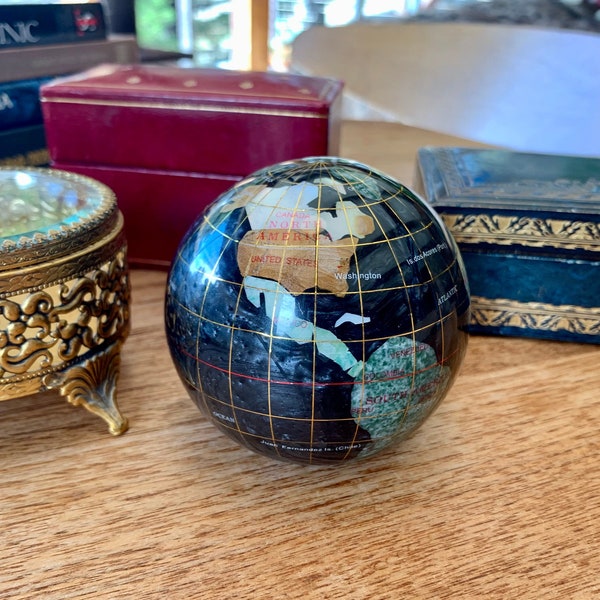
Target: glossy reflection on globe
[(316, 311)]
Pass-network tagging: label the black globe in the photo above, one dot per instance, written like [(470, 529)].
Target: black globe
[(317, 311)]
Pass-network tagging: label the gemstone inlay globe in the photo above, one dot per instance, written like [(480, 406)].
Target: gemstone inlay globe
[(316, 311)]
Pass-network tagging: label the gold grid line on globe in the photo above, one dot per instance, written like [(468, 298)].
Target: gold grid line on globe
[(407, 296), (444, 317), (349, 292)]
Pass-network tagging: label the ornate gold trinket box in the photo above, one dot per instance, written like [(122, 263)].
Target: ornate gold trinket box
[(64, 289)]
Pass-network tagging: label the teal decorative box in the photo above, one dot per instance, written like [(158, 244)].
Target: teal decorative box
[(528, 227)]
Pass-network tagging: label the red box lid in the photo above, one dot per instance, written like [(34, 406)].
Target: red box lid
[(196, 120)]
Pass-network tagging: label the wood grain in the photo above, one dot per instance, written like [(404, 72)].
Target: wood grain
[(496, 496)]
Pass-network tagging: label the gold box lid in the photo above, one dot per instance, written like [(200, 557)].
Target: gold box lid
[(48, 213)]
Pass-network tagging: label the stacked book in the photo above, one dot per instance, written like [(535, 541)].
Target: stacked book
[(40, 41)]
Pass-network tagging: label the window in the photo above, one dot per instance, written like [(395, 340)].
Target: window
[(217, 33)]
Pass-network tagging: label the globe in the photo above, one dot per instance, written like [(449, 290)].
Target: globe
[(317, 311)]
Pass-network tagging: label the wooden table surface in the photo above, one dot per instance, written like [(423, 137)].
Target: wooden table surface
[(496, 496)]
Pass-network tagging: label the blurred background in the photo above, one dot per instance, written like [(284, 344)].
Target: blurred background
[(242, 34), (216, 32)]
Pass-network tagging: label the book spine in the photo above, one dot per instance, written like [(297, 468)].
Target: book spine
[(37, 61), (24, 25), (20, 102), (23, 147)]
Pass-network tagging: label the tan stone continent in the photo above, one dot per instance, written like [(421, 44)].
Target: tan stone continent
[(297, 260)]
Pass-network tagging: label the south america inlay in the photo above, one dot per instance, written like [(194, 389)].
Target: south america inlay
[(317, 311)]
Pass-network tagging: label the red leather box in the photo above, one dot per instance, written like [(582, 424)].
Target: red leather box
[(169, 140)]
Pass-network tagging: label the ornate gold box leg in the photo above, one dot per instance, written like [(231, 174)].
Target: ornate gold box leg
[(64, 289), (92, 384)]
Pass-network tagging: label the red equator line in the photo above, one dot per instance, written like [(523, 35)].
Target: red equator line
[(311, 383)]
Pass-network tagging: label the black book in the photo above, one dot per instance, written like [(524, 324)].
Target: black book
[(20, 102), (24, 146), (40, 24)]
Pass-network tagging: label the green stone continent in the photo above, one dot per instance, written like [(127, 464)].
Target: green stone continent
[(402, 382)]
